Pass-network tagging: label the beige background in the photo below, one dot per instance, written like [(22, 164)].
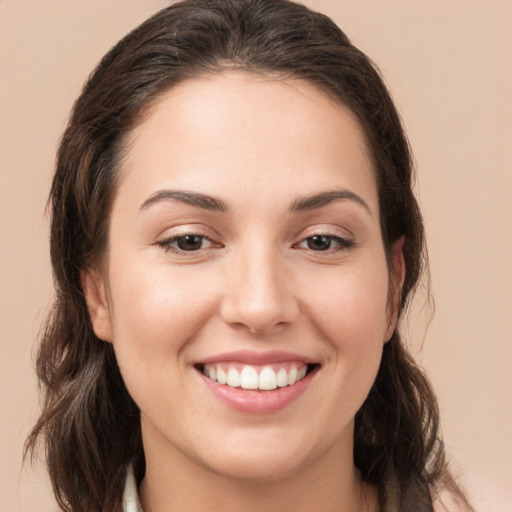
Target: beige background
[(448, 64)]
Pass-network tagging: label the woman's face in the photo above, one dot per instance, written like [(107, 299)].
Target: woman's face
[(245, 243)]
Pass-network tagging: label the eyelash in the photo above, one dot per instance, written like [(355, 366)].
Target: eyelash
[(343, 244), (167, 244)]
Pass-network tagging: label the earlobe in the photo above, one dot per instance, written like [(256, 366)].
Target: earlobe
[(397, 278), (94, 289)]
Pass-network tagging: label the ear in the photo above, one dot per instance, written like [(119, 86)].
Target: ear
[(397, 277), (94, 288)]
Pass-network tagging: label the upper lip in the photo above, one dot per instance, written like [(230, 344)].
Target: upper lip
[(257, 358)]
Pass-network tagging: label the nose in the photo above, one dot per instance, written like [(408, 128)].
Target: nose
[(259, 292)]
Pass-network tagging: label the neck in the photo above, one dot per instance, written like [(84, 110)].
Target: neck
[(331, 483)]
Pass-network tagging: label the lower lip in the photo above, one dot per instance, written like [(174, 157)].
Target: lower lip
[(258, 402)]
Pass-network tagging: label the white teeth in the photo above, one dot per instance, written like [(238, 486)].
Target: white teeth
[(282, 378), (221, 376), (249, 378), (233, 379), (268, 379)]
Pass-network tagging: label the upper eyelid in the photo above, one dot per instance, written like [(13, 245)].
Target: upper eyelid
[(327, 235), (213, 235), (332, 231), (188, 229)]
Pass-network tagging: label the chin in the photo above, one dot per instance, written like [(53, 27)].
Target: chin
[(259, 461), (258, 470)]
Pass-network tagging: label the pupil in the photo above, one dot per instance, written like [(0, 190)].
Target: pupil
[(319, 243), (189, 242)]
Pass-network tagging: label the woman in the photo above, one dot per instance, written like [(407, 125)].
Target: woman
[(234, 239)]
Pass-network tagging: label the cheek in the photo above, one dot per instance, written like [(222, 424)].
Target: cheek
[(156, 313), (350, 313), (350, 305)]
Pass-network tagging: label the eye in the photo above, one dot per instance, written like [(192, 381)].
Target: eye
[(325, 243), (189, 242)]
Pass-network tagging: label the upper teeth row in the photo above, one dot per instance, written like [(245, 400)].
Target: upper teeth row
[(248, 378)]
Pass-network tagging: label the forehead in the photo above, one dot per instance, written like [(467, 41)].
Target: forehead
[(248, 131)]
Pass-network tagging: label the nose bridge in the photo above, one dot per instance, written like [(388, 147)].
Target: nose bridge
[(257, 294)]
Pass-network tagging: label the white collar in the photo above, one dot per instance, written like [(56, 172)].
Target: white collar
[(131, 501)]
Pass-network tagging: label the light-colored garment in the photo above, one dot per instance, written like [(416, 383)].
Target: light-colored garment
[(131, 501)]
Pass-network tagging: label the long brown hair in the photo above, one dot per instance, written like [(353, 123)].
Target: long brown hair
[(89, 423)]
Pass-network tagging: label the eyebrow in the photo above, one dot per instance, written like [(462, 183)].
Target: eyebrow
[(211, 203), (192, 198), (324, 198)]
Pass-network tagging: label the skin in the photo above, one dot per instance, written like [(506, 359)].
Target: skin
[(259, 145)]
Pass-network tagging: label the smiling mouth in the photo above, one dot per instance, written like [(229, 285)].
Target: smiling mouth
[(256, 377)]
